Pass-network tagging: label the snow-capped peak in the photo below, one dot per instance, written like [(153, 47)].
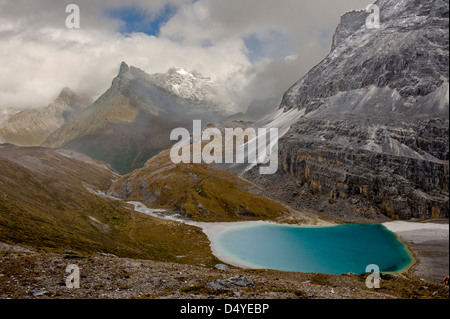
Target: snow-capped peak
[(189, 85), (199, 90), (183, 72)]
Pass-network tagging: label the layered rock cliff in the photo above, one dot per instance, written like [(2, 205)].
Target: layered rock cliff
[(373, 132)]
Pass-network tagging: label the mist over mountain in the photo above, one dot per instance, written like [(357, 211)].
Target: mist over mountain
[(131, 122), (32, 127), (366, 130), (5, 114)]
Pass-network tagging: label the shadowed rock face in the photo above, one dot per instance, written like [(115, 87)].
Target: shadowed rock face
[(376, 116)]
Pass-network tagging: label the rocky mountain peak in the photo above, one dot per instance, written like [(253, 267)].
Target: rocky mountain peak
[(188, 86), (390, 9), (132, 120), (124, 68), (123, 77), (401, 67), (68, 98), (31, 127), (369, 124), (67, 93)]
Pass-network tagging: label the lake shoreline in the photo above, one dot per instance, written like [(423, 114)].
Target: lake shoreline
[(429, 243), (401, 229), (344, 255)]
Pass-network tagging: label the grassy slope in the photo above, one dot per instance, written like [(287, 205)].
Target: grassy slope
[(49, 207), (199, 191)]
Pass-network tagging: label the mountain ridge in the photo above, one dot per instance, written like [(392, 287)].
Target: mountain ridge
[(365, 132), (403, 61), (131, 122), (32, 126)]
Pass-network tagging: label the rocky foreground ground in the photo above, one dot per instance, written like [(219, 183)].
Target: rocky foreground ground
[(25, 273)]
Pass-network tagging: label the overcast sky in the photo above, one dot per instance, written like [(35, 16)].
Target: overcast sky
[(253, 48)]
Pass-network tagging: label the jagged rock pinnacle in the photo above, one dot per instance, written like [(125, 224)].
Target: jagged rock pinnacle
[(124, 68), (66, 93)]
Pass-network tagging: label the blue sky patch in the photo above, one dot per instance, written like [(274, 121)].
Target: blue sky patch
[(136, 19), (271, 45), (254, 47)]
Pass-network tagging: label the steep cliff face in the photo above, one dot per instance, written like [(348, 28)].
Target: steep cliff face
[(350, 23), (407, 58), (375, 125)]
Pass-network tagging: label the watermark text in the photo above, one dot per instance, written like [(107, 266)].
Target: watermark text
[(238, 146)]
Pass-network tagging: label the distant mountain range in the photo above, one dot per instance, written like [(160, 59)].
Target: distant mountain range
[(128, 124), (131, 122)]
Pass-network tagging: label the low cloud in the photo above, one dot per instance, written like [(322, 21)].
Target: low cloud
[(253, 48)]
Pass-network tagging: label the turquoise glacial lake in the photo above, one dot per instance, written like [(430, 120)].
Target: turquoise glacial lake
[(328, 250)]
